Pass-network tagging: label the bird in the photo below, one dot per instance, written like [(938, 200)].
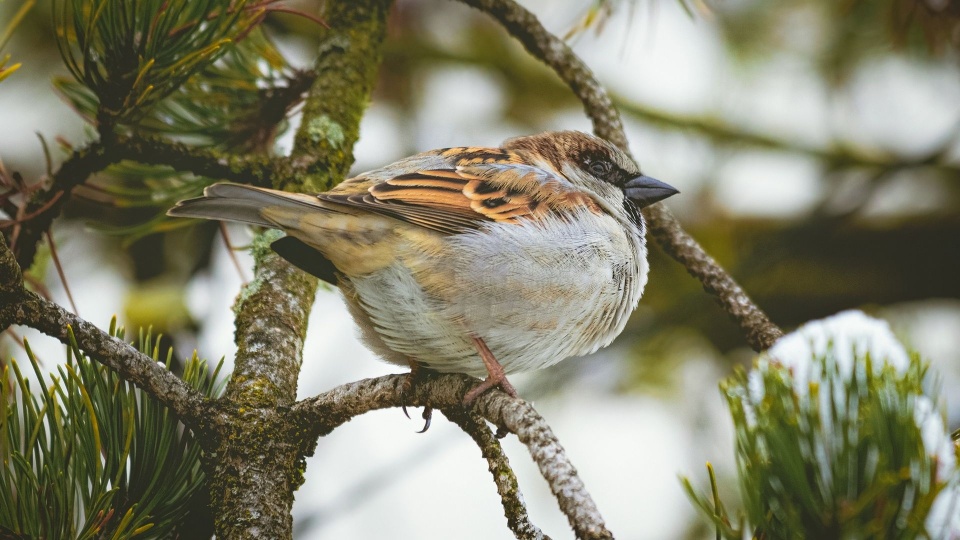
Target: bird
[(486, 261)]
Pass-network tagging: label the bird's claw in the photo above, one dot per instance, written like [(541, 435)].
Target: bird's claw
[(405, 387), (427, 417)]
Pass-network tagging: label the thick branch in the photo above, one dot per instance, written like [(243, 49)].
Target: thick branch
[(271, 323), (257, 469), (503, 475), (322, 414), (346, 67), (759, 331)]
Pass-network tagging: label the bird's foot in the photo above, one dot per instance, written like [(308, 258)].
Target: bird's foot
[(495, 375)]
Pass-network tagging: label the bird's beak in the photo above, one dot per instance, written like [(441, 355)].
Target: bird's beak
[(645, 191)]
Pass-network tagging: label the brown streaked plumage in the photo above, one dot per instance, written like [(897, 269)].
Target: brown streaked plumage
[(469, 259)]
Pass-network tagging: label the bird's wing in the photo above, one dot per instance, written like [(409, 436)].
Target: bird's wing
[(456, 195)]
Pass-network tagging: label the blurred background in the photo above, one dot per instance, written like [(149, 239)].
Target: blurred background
[(816, 144)]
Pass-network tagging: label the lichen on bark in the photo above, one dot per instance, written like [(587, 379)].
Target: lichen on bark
[(347, 61), (256, 467)]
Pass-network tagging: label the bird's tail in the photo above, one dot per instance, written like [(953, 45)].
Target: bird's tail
[(237, 202), (268, 208)]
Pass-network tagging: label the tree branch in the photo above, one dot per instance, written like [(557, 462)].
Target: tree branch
[(256, 463), (836, 154), (320, 415), (46, 205), (345, 73), (20, 306), (415, 51), (503, 476), (253, 169), (759, 331), (257, 470)]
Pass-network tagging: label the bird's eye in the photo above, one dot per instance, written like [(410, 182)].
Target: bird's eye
[(600, 168)]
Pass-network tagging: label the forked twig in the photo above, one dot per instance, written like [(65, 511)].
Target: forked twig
[(503, 475), (320, 415)]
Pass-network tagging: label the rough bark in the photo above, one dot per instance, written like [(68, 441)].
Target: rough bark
[(322, 414), (255, 469), (508, 488)]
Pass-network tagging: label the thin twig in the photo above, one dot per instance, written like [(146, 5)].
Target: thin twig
[(22, 343), (759, 331), (552, 51), (126, 360), (34, 219), (38, 286), (513, 506), (232, 252), (834, 154), (63, 276)]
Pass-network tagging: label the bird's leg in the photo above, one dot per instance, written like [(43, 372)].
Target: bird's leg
[(495, 374), (416, 371)]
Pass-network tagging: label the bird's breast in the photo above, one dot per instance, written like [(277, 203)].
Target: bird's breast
[(536, 293)]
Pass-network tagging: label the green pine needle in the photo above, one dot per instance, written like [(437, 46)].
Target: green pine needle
[(132, 55), (90, 455), (846, 459), (227, 105)]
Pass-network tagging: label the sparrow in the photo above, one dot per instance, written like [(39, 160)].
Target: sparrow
[(484, 261)]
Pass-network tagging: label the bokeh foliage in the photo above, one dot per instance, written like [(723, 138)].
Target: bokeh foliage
[(6, 32)]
